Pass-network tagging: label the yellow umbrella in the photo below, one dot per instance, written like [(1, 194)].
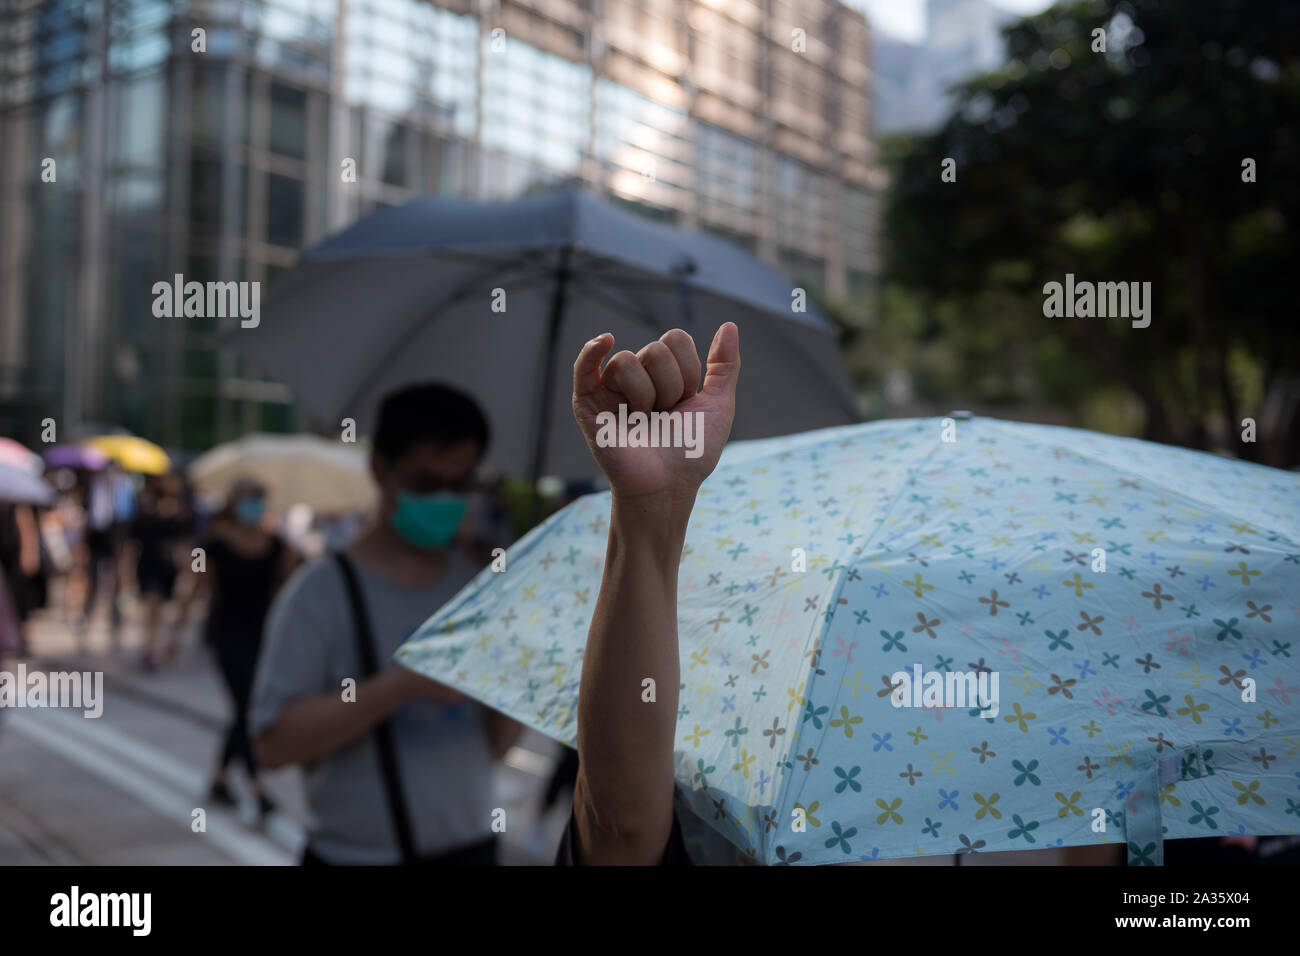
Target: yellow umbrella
[(133, 453)]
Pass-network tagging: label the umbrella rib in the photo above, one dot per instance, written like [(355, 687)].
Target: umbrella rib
[(819, 374), (610, 298), (655, 281), (463, 292), (783, 792), (400, 341), (653, 325)]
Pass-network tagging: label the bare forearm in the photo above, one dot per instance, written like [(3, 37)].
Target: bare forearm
[(29, 540), (623, 798), (196, 588), (316, 727)]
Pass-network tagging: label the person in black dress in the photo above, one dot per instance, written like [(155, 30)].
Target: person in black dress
[(21, 565), (155, 531), (244, 565)]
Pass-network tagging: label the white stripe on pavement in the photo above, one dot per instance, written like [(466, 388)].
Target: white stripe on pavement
[(186, 779), (191, 782), (33, 838), (172, 796)]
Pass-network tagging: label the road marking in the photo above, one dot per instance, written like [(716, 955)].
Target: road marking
[(127, 767), (35, 838)]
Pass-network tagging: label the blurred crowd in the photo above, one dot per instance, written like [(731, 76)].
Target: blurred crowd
[(294, 601), (125, 544)]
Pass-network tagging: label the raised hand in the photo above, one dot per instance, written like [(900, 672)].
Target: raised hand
[(664, 376), (623, 797)]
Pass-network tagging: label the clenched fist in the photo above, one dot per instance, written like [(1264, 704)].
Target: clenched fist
[(663, 377)]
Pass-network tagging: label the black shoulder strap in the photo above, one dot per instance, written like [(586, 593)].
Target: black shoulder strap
[(384, 731)]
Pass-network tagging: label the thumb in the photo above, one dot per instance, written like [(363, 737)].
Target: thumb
[(722, 369)]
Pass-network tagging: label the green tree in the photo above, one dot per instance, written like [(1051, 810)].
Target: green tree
[(1123, 165)]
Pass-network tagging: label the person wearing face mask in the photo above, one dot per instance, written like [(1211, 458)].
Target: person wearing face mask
[(243, 565), (398, 768)]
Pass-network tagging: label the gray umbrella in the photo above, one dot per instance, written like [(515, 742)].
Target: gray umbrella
[(407, 295)]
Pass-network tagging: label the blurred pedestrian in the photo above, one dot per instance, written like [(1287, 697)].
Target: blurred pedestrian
[(158, 525), (9, 636), (110, 504), (243, 565), (21, 566), (67, 521), (399, 768), (10, 639)]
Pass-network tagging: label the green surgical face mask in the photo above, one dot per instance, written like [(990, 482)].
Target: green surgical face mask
[(428, 521)]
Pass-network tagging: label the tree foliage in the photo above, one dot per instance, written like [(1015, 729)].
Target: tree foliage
[(1123, 165)]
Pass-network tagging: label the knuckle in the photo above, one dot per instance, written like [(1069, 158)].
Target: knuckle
[(677, 337), (619, 360), (655, 351)]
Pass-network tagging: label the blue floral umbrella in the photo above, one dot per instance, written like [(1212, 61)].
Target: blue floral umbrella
[(897, 645)]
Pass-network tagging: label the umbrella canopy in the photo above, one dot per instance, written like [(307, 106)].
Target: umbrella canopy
[(295, 469), (86, 457), (492, 298), (20, 485), (19, 456), (133, 453), (20, 475), (1137, 604)]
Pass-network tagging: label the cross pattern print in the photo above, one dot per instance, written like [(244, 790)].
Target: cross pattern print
[(983, 556)]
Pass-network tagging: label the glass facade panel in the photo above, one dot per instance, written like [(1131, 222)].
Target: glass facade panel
[(138, 105), (799, 199), (129, 15), (60, 138), (208, 106), (384, 153), (535, 107), (636, 134), (429, 103), (288, 133), (136, 195), (407, 57), (205, 196), (285, 200), (727, 168), (138, 51)]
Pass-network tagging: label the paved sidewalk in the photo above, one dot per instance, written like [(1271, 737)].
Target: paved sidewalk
[(123, 788)]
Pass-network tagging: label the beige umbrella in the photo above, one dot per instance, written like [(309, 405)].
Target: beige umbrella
[(329, 476)]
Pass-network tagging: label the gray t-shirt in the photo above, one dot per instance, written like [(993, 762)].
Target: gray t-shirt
[(443, 752)]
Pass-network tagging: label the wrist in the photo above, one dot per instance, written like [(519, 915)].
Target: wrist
[(652, 526), (661, 510)]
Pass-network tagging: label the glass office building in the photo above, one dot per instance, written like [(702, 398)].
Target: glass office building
[(144, 138)]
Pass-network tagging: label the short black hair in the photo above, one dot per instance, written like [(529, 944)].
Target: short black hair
[(429, 412)]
